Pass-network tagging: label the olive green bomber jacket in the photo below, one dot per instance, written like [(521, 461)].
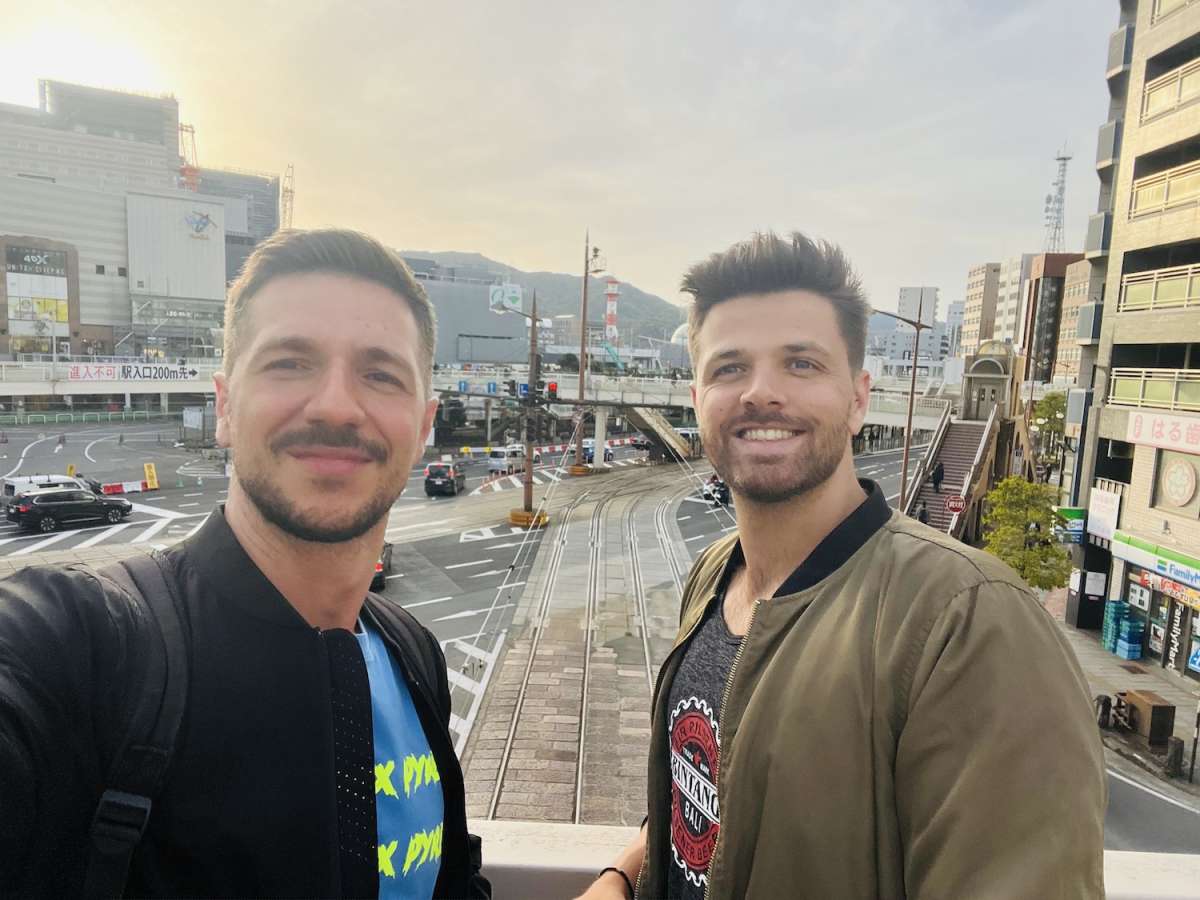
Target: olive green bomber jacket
[(912, 726)]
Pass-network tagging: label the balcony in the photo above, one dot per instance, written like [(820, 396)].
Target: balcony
[(1090, 317), (1120, 51), (1164, 8), (1174, 288), (1176, 389), (1168, 92), (1171, 189)]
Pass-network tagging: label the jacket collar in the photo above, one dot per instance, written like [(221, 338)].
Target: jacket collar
[(833, 551), (215, 554)]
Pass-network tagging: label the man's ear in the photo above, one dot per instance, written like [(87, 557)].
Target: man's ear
[(861, 400), (431, 408), (224, 410)]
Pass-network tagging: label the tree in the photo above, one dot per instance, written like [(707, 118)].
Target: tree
[(1050, 415), (1019, 519), (569, 362)]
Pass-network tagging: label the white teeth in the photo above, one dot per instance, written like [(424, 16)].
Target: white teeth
[(767, 434)]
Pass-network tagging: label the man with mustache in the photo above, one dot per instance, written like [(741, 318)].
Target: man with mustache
[(856, 704), (312, 755)]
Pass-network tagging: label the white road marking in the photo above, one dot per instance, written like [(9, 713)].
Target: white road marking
[(53, 539), (87, 451), (17, 467), (151, 531), (199, 525), (1137, 784), (462, 681), (696, 500), (536, 480), (683, 518), (391, 531), (478, 562), (467, 613), (186, 505), (729, 528), (427, 602), (471, 650), (489, 572), (106, 534), (197, 494), (502, 546), (698, 537), (155, 511), (516, 482)]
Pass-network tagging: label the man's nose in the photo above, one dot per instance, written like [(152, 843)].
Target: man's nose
[(762, 390), (336, 400)]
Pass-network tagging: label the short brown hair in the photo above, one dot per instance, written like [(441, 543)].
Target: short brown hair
[(330, 250), (767, 264)]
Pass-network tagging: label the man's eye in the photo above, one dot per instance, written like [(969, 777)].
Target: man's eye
[(726, 369), (385, 378), (801, 364), (286, 364)]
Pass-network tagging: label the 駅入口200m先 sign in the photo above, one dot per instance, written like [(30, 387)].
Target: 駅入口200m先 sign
[(130, 372)]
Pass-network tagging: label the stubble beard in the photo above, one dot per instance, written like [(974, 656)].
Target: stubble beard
[(780, 483)]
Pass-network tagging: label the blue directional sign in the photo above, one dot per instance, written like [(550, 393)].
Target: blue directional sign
[(491, 387), (523, 389), (462, 386)]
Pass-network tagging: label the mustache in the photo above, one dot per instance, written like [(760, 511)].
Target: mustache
[(327, 436)]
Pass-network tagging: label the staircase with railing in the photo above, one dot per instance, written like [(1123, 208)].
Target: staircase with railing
[(957, 453), (655, 427)]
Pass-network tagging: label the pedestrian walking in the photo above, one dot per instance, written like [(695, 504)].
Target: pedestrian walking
[(923, 514), (937, 476), (972, 769), (257, 687)]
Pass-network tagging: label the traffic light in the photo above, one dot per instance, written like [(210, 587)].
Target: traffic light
[(538, 388), (552, 390), (510, 387)]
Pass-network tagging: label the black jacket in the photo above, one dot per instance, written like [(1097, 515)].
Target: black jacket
[(248, 807)]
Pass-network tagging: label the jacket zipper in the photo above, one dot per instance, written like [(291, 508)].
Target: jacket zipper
[(737, 658), (662, 670)]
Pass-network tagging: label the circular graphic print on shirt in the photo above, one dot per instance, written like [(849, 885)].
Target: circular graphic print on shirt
[(695, 813)]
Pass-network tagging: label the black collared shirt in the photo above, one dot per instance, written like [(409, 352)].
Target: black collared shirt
[(833, 551)]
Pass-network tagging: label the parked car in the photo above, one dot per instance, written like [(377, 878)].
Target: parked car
[(589, 451), (445, 478), (383, 568), (18, 484), (45, 510), (638, 442)]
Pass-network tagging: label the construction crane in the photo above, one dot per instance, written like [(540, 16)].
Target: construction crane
[(189, 168), (287, 197)]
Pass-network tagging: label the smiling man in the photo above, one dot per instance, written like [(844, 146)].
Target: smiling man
[(856, 705), (309, 754)]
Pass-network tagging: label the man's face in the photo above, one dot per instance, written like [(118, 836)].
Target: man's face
[(774, 393), (326, 408)]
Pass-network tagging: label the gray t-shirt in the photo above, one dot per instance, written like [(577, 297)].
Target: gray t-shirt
[(694, 735)]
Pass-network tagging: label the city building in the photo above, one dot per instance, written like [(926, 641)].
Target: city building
[(919, 304), (1038, 332), (1010, 298), (94, 180), (1079, 288), (979, 306), (954, 328), (1139, 437)]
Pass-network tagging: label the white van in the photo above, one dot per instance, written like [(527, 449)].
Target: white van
[(10, 487), (506, 460)]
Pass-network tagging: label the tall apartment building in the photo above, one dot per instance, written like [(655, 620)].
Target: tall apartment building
[(1079, 288), (1010, 297), (979, 305), (919, 304), (1139, 472), (954, 328), (1038, 333)]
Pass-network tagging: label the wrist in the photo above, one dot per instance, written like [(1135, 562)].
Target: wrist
[(617, 877)]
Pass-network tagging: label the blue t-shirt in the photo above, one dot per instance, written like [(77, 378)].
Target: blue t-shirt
[(408, 789)]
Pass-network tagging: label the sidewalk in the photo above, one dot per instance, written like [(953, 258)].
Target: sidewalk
[(1107, 674)]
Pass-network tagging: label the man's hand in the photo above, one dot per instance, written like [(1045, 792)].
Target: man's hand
[(610, 886)]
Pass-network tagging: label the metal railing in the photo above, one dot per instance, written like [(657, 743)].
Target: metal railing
[(1164, 8), (931, 451), (985, 443), (1175, 187), (1173, 288), (1170, 91), (1157, 388)]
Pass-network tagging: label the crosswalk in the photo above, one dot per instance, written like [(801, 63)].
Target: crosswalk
[(141, 528), (540, 476)]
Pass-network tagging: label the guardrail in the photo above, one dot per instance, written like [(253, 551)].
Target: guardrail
[(1173, 288), (1168, 92), (1163, 8), (71, 418), (931, 452), (1156, 388), (985, 441), (539, 861)]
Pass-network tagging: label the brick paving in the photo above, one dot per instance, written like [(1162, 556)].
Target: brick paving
[(540, 783)]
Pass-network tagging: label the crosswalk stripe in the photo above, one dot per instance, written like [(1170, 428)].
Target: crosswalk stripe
[(536, 480), (107, 533), (38, 545), (516, 482), (459, 680), (151, 531), (471, 650)]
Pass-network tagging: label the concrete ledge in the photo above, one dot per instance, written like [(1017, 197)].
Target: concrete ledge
[(542, 859)]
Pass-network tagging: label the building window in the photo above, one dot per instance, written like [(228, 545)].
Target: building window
[(99, 269), (121, 271)]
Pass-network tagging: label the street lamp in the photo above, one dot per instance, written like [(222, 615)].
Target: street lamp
[(592, 265), (918, 326), (526, 517)]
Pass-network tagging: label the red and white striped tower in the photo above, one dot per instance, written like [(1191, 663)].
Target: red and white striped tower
[(612, 290)]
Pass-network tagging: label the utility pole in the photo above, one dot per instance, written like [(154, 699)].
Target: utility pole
[(590, 266), (918, 326), (526, 517)]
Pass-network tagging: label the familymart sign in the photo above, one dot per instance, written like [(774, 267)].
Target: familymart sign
[(1166, 561)]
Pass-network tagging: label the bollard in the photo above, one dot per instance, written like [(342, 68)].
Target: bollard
[(1173, 767)]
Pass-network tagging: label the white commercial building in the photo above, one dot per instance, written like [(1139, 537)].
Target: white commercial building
[(1010, 297)]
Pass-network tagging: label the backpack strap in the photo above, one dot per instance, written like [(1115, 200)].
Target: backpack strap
[(421, 651), (142, 758)]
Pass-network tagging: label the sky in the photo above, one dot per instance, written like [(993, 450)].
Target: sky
[(920, 135)]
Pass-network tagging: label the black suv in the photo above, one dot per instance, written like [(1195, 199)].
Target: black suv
[(47, 509), (445, 478)]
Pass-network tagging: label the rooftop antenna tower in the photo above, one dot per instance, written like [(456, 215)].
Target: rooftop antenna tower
[(287, 197), (1055, 206)]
